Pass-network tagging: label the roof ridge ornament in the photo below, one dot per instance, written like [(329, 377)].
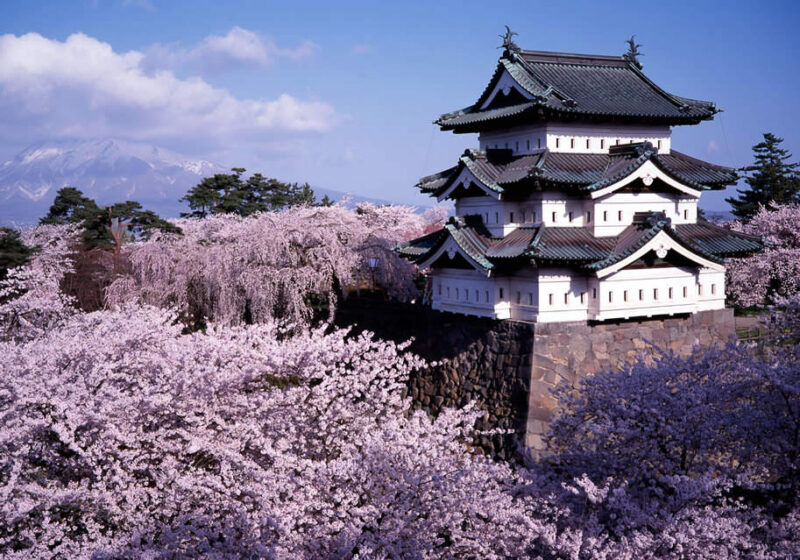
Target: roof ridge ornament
[(508, 44), (633, 52)]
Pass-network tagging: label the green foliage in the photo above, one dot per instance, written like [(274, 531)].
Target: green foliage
[(13, 252), (229, 193), (71, 206), (772, 179)]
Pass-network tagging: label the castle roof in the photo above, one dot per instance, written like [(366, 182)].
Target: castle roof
[(498, 172), (531, 86), (576, 246)]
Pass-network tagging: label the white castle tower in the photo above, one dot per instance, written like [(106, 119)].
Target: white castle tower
[(575, 207)]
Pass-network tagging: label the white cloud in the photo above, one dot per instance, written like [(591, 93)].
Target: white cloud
[(82, 88), (238, 47)]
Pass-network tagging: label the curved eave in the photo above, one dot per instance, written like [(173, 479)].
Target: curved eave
[(466, 121), (724, 243), (467, 172), (617, 261)]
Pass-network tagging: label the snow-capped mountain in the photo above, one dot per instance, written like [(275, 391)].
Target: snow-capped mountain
[(107, 170)]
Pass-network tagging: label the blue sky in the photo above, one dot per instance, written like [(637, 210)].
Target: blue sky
[(342, 94)]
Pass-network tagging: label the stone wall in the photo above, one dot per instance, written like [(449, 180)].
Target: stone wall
[(481, 360), (568, 352), (509, 368)]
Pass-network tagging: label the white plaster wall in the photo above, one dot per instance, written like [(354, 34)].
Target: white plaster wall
[(470, 292), (645, 292), (563, 296), (550, 295), (551, 209), (710, 290), (523, 295), (614, 212), (574, 137)]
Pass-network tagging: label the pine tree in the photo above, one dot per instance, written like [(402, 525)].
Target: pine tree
[(13, 252), (228, 193), (70, 206), (772, 179)]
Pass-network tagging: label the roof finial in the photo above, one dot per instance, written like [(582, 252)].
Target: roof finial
[(508, 43), (633, 52)]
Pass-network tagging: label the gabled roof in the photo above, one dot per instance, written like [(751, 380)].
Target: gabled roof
[(576, 246), (499, 172), (565, 86)]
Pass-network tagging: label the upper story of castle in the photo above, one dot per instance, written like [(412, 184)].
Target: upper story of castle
[(572, 140), (573, 103)]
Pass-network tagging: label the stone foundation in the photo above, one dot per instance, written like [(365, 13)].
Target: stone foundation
[(569, 352), (509, 368)]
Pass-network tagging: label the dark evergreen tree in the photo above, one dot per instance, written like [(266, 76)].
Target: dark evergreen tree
[(71, 206), (772, 179), (13, 252), (228, 193)]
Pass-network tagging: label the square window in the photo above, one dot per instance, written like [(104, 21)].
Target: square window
[(477, 296), (685, 291), (610, 297), (558, 141), (487, 296), (511, 217), (530, 298), (713, 289), (501, 293), (602, 143), (583, 297), (619, 215), (572, 143), (625, 295), (605, 215), (669, 293), (588, 216), (554, 217), (587, 143), (528, 144), (570, 216), (594, 293), (655, 293), (566, 298), (641, 295), (519, 297), (550, 299), (539, 143)]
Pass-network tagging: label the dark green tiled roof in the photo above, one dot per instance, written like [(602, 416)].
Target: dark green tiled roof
[(576, 246), (567, 86), (498, 171), (720, 241)]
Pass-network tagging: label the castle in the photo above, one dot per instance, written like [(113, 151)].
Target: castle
[(575, 207)]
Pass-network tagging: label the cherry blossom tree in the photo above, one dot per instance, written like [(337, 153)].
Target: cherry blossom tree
[(692, 453), (269, 265), (31, 299), (775, 271), (123, 437)]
